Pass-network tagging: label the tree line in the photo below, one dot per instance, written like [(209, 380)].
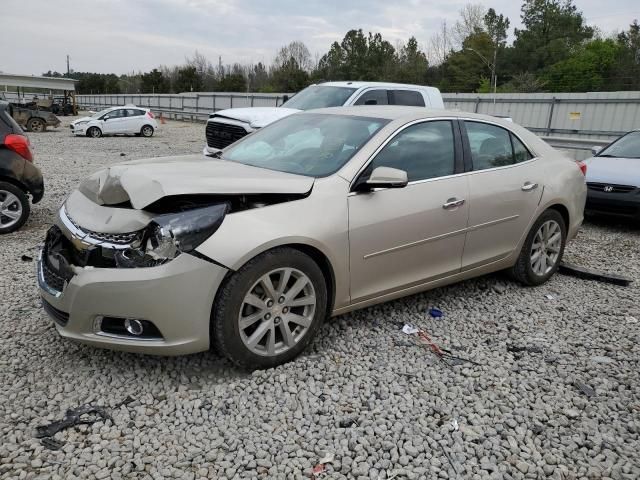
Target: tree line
[(554, 51)]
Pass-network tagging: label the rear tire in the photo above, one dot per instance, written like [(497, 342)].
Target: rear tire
[(14, 208), (146, 131), (94, 132), (542, 250), (36, 125), (268, 311)]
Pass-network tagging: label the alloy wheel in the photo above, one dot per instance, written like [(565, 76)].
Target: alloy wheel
[(147, 131), (10, 209), (277, 311), (546, 247)]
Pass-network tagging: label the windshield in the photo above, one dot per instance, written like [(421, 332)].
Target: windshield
[(309, 144), (317, 96), (101, 112), (625, 147)]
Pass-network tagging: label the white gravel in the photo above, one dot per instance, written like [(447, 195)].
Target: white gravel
[(520, 414)]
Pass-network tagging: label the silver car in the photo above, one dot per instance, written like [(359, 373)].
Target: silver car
[(318, 214), (613, 178)]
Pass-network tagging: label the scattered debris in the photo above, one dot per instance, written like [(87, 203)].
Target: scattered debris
[(548, 296), (318, 471), (435, 312), (129, 399), (586, 389), (454, 425), (581, 272), (631, 319), (74, 416), (26, 258), (328, 457), (443, 354), (448, 458), (52, 443), (410, 329), (348, 422), (537, 429), (123, 154), (518, 349)]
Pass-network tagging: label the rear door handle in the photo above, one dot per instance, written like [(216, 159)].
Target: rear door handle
[(528, 186), (453, 203)]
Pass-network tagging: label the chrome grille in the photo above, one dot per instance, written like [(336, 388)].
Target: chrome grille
[(221, 135), (114, 238)]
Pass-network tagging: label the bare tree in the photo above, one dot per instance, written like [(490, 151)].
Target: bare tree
[(440, 45), (471, 21), (297, 51)]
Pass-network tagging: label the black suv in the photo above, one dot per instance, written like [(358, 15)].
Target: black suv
[(19, 177)]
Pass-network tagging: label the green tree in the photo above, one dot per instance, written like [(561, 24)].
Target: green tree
[(553, 29), (232, 82), (412, 64), (465, 69), (154, 82), (188, 80), (627, 75), (589, 69), (496, 27)]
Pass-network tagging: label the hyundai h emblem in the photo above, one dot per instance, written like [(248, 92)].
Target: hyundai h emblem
[(608, 188)]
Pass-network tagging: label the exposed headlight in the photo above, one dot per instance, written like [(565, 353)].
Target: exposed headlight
[(171, 234)]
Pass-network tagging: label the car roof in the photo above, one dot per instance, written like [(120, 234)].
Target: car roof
[(400, 112), (374, 84)]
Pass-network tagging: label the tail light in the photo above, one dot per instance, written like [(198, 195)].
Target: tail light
[(20, 145), (583, 167), (150, 114)]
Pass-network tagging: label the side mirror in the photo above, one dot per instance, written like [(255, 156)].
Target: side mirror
[(106, 118), (285, 98), (595, 150), (386, 177)]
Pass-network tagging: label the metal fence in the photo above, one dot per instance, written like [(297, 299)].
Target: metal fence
[(187, 106), (572, 121)]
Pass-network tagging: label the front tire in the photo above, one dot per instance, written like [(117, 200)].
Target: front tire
[(542, 250), (14, 208), (94, 132), (146, 131), (267, 312)]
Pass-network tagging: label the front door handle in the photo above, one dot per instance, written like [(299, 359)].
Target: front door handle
[(453, 203), (528, 186)]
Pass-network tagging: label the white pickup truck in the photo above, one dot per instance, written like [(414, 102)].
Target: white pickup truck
[(226, 126)]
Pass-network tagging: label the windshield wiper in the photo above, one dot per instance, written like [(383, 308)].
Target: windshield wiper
[(607, 156)]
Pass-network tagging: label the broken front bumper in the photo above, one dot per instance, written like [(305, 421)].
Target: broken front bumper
[(175, 298)]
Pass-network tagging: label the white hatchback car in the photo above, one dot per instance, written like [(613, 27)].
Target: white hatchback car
[(126, 120)]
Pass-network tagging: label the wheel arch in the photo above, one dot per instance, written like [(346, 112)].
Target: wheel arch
[(562, 210), (14, 182), (314, 252)]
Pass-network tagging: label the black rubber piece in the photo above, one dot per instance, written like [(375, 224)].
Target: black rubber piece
[(522, 271), (225, 333), (586, 274)]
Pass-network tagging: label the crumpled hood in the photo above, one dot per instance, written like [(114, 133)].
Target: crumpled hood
[(143, 182), (83, 119), (616, 171), (256, 117)]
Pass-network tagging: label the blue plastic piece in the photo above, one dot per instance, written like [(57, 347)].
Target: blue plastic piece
[(435, 312)]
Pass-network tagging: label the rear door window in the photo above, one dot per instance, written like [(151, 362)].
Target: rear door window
[(373, 97), (410, 98), (490, 145)]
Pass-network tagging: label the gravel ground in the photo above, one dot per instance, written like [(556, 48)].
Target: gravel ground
[(555, 392)]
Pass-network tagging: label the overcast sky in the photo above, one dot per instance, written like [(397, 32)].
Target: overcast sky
[(125, 35)]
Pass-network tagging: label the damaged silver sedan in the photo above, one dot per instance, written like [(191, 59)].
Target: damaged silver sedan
[(318, 214)]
